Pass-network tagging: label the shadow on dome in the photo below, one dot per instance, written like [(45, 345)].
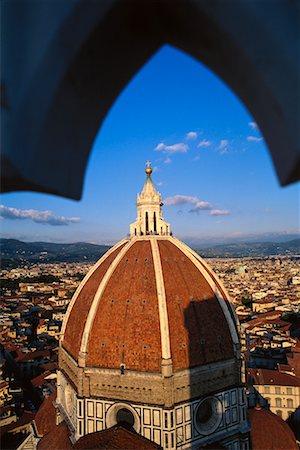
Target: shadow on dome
[(208, 333), (214, 384)]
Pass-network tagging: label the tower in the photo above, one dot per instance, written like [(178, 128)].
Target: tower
[(150, 341), (149, 211)]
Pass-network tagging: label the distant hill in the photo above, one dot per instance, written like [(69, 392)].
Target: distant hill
[(255, 249), (14, 253)]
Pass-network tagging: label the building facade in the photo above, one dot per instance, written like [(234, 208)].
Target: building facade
[(280, 390), (151, 341)]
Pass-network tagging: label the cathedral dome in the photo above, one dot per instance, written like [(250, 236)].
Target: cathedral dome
[(150, 340), (150, 304)]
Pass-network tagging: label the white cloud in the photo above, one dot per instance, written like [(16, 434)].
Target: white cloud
[(201, 206), (223, 146), (180, 200), (180, 147), (253, 125), (254, 138), (223, 143), (167, 160), (160, 146), (204, 143), (155, 169), (251, 137), (191, 136), (160, 183), (198, 205), (196, 158), (219, 212), (43, 217)]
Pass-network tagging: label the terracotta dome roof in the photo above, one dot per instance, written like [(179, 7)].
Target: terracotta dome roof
[(150, 298), (45, 418), (115, 438), (57, 438), (269, 431)]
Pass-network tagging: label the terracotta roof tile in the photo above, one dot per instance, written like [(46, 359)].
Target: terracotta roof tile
[(270, 432), (30, 356), (80, 310), (116, 437), (45, 418), (199, 332), (40, 379), (56, 439), (126, 326), (269, 377)]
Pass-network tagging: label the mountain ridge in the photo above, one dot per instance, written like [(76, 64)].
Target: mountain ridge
[(14, 252)]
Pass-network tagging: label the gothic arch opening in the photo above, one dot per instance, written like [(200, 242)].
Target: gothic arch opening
[(93, 49)]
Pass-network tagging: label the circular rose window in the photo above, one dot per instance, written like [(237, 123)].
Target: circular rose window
[(208, 415)]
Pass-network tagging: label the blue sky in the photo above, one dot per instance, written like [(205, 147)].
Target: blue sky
[(209, 159)]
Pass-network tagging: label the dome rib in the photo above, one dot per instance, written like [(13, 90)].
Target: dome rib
[(77, 312), (162, 307), (127, 329), (196, 314), (97, 298)]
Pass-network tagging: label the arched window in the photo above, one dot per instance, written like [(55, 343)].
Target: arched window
[(290, 403), (125, 418), (279, 413), (147, 222), (278, 402), (154, 221)]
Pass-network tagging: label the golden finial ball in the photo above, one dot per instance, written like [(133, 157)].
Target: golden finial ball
[(148, 170)]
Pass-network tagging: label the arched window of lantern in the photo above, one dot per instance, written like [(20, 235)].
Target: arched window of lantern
[(147, 222)]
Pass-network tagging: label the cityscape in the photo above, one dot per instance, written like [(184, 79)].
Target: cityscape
[(35, 296), (149, 225)]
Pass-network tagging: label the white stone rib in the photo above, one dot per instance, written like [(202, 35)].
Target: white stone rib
[(97, 297), (188, 252), (162, 303), (86, 278)]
